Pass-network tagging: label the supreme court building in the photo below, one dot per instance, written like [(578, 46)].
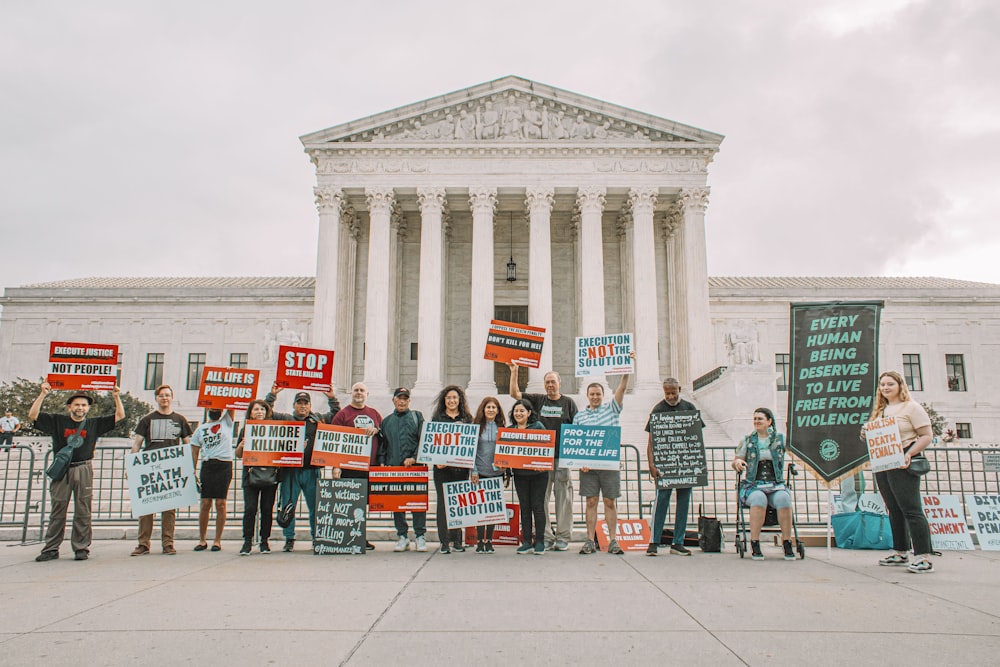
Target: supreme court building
[(518, 201)]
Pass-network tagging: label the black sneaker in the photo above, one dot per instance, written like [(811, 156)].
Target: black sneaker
[(480, 548), (46, 555), (444, 548), (82, 554), (652, 549), (755, 551), (787, 546), (488, 548), (246, 548), (679, 550), (459, 547), (289, 545), (369, 546), (265, 548)]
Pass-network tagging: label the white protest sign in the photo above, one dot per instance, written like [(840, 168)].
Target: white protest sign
[(985, 513), (872, 502), (949, 531), (604, 355), (885, 447), (161, 479), (468, 504), (448, 444)]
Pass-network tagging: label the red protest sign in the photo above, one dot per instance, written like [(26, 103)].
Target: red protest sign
[(507, 342), (398, 489), (274, 443), (525, 449), (505, 533), (341, 447), (227, 388), (633, 534), (86, 366), (304, 368)]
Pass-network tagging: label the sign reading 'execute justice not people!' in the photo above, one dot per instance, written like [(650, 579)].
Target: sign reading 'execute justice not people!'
[(82, 366), (227, 388), (509, 342), (304, 368)]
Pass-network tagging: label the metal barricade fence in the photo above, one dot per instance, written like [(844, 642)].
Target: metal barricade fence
[(18, 463)]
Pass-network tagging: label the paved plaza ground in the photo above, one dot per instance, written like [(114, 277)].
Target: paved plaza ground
[(430, 608)]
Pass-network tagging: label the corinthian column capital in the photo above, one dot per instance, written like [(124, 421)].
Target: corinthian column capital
[(328, 199), (539, 199), (483, 200), (694, 199), (591, 199), (431, 200), (380, 200), (643, 200)]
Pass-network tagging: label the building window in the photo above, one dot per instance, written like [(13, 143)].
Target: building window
[(196, 364), (955, 365), (911, 372), (963, 430), (239, 360), (154, 370), (413, 351), (783, 364), (118, 371)]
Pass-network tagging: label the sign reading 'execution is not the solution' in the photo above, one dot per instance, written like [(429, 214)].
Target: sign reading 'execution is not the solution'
[(468, 504), (604, 355)]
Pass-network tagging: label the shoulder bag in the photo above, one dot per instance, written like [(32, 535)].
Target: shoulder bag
[(64, 457)]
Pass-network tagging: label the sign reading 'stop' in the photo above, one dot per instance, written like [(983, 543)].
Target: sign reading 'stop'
[(304, 368), (86, 366)]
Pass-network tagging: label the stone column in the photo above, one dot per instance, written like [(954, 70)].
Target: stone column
[(538, 201), (380, 201), (430, 320), (695, 268), (590, 202), (324, 328), (647, 353), (483, 202), (671, 226), (350, 230)]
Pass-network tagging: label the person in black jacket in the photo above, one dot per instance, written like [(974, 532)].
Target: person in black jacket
[(400, 439)]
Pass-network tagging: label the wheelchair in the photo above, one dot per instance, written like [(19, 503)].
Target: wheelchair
[(770, 518)]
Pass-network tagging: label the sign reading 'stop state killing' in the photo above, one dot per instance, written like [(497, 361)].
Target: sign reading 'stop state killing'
[(832, 378)]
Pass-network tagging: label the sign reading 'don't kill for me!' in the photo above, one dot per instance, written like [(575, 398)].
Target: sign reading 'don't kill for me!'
[(227, 388), (508, 342), (86, 366)]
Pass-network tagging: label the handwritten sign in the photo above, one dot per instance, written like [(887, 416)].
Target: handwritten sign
[(507, 342), (949, 531), (227, 388), (633, 535), (885, 446), (341, 447), (341, 521), (304, 368), (525, 449), (82, 366), (161, 479), (398, 489), (594, 447), (274, 443), (604, 355), (985, 513), (678, 449), (468, 504), (448, 444)]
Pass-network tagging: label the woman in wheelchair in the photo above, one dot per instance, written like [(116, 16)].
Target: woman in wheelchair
[(761, 455)]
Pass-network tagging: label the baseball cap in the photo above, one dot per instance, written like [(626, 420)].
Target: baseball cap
[(401, 391), (302, 396), (90, 401)]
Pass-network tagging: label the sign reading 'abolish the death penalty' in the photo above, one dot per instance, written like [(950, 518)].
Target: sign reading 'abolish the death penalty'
[(508, 342), (594, 447), (398, 489), (304, 368), (984, 510), (161, 479), (468, 504), (82, 366), (448, 444), (885, 446), (834, 362), (525, 449), (678, 449), (604, 355), (227, 388), (274, 443), (341, 447)]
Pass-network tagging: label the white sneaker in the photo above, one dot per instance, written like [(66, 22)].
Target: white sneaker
[(402, 544), (421, 543)]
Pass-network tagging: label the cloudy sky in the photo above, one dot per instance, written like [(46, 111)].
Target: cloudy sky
[(161, 138)]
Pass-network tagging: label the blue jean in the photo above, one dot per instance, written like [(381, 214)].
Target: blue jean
[(680, 514), (419, 523), (300, 480)]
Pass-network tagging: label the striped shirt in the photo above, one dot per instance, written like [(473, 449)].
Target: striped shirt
[(603, 415)]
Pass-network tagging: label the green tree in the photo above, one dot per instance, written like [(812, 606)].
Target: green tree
[(21, 393), (938, 422)]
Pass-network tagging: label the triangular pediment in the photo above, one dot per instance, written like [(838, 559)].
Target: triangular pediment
[(511, 109)]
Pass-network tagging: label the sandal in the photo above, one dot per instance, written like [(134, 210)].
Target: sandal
[(216, 547), (200, 547)]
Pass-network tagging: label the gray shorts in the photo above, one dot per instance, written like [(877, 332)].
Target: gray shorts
[(601, 482)]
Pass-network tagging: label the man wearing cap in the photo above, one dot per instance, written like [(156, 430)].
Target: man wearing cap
[(160, 428), (9, 425), (359, 415), (400, 439), (79, 479), (302, 480)]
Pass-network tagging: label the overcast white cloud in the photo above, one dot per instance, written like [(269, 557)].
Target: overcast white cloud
[(145, 139)]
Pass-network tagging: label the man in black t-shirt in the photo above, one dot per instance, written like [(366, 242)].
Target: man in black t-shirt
[(79, 479)]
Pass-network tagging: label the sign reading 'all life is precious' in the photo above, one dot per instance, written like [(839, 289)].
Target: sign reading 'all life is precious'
[(227, 388), (304, 368), (161, 479), (604, 355), (82, 366), (508, 342), (678, 449)]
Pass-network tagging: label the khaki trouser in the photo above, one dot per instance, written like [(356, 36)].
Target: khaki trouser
[(79, 481), (168, 520), (561, 484)]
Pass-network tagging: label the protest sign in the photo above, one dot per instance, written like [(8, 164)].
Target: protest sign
[(468, 504), (341, 447), (448, 444), (985, 513), (885, 447), (604, 355), (833, 372), (341, 522), (227, 388), (161, 479), (507, 342), (678, 449), (594, 447), (872, 502), (633, 535), (947, 522), (274, 443), (991, 461), (508, 533), (304, 368), (524, 449), (82, 366), (398, 489)]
